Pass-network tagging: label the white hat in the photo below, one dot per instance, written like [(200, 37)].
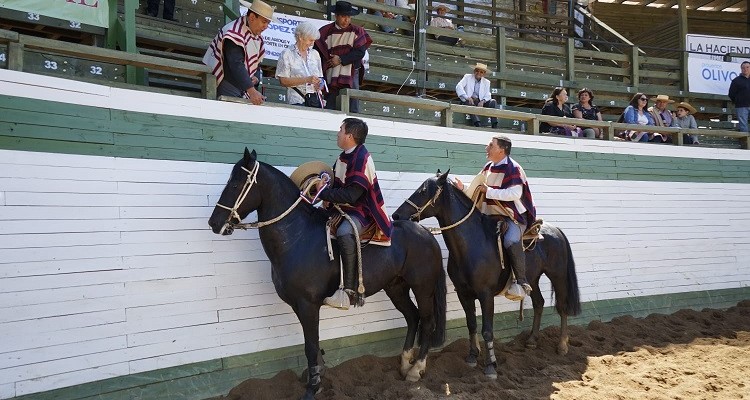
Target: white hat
[(260, 8)]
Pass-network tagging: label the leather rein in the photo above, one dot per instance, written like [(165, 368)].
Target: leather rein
[(417, 216)]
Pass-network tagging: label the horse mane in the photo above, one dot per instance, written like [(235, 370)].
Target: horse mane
[(286, 185), (489, 225)]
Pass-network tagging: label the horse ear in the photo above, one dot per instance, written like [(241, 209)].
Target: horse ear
[(248, 156), (437, 173), (443, 178)]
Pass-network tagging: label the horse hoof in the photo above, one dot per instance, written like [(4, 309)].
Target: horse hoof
[(490, 372), (562, 349), (309, 395), (531, 344), (416, 372), (471, 360)]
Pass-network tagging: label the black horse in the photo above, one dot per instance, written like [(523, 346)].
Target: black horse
[(293, 237), (474, 264)]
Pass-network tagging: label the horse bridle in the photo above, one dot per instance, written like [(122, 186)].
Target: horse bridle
[(252, 179), (431, 202)]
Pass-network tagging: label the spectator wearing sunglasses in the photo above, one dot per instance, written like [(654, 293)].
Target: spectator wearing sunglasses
[(637, 113)]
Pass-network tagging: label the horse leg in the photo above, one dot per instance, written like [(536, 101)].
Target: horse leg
[(399, 295), (426, 309), (538, 302), (487, 302), (561, 297), (467, 302), (309, 316)]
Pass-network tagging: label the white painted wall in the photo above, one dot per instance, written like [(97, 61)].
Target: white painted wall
[(107, 265)]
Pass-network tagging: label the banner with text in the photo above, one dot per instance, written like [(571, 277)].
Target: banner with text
[(90, 12), (711, 76), (280, 35), (707, 70)]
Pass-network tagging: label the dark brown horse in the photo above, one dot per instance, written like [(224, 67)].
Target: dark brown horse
[(293, 236), (474, 264)]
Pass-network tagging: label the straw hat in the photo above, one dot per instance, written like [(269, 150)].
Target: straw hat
[(687, 106), (260, 8), (472, 191), (308, 170), (662, 97), (481, 66), (442, 6)]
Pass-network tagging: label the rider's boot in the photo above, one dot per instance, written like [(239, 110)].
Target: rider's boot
[(518, 263), (342, 299)]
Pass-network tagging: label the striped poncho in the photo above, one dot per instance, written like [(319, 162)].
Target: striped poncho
[(357, 168), (335, 41), (504, 176), (238, 32)]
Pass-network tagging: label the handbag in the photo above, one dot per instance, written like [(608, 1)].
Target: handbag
[(311, 99)]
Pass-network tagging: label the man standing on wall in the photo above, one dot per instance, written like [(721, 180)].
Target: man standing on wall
[(342, 46), (739, 93), (235, 54)]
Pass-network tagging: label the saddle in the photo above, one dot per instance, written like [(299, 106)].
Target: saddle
[(371, 234)]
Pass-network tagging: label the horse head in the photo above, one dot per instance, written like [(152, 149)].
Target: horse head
[(421, 204), (236, 200)]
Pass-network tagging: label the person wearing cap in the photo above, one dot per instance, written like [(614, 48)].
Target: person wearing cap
[(474, 90), (739, 93), (356, 191), (662, 117), (507, 200), (342, 46), (684, 119), (236, 52), (442, 22)]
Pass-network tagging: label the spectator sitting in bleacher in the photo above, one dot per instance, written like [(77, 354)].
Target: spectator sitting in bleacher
[(441, 22), (342, 45), (235, 54), (637, 113), (585, 109), (555, 105), (152, 9), (299, 68), (390, 15), (685, 119), (662, 117), (474, 90)]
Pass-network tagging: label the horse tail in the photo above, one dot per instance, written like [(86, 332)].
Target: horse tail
[(572, 305), (440, 308)]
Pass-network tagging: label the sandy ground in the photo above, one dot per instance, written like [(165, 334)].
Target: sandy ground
[(687, 355)]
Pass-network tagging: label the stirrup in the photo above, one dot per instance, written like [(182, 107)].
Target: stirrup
[(339, 299), (517, 292)]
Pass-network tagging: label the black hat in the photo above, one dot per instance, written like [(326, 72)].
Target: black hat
[(343, 8)]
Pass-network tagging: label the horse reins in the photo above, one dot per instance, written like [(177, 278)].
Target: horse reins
[(252, 179), (439, 230)]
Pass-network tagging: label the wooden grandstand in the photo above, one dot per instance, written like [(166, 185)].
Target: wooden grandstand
[(530, 51)]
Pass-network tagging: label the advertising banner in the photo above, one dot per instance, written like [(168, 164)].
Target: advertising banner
[(280, 35), (711, 76), (715, 47), (89, 12)]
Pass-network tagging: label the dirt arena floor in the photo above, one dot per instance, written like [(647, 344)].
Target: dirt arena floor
[(687, 355)]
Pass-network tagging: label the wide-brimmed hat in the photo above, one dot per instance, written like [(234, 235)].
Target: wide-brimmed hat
[(343, 8), (481, 66), (471, 190), (308, 170), (443, 6), (260, 8), (662, 97), (687, 106)]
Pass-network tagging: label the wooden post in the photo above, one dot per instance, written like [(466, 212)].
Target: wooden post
[(447, 117), (208, 86), (342, 101), (571, 59), (634, 66), (15, 56), (420, 46), (500, 54), (534, 126), (111, 36), (128, 44), (682, 26)]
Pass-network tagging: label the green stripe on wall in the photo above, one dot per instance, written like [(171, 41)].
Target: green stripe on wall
[(46, 126), (215, 377)]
